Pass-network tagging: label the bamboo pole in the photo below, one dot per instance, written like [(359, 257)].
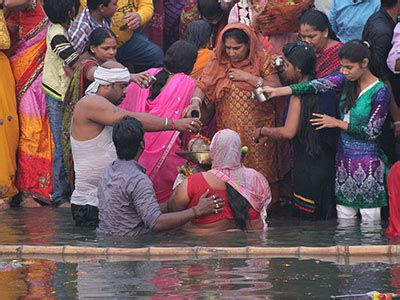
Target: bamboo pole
[(178, 253)]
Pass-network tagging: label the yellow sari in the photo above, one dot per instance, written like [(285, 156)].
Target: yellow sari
[(9, 129)]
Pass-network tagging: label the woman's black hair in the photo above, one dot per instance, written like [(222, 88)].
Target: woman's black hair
[(355, 51), (238, 35), (198, 33), (210, 9), (239, 205), (318, 20), (179, 58), (302, 56), (98, 36), (58, 11)]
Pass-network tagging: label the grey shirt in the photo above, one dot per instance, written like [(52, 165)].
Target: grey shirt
[(127, 201)]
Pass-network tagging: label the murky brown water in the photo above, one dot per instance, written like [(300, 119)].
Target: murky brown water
[(277, 278)]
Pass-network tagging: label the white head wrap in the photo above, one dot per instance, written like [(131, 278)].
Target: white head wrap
[(103, 76)]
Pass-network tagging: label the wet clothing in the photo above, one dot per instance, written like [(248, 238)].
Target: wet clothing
[(393, 183), (127, 201), (197, 185), (90, 159), (314, 177), (85, 215)]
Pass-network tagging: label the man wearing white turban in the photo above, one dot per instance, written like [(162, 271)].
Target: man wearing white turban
[(91, 135)]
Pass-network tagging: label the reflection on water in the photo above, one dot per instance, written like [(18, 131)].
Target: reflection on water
[(46, 226), (281, 278), (252, 278)]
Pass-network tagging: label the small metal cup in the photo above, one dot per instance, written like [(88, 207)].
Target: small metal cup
[(195, 114), (259, 95)]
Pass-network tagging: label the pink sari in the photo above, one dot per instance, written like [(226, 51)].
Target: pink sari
[(159, 156)]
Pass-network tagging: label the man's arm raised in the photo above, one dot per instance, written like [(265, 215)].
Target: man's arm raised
[(101, 111)]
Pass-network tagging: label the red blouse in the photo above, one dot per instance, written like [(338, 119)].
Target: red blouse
[(197, 185)]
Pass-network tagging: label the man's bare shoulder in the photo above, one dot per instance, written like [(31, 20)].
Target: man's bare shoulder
[(91, 100)]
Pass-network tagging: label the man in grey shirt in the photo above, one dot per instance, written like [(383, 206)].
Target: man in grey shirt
[(127, 201)]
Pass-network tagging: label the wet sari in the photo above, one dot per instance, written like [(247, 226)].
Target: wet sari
[(393, 186), (159, 156), (35, 147)]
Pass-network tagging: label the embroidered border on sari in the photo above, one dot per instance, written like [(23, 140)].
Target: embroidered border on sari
[(165, 154), (37, 29)]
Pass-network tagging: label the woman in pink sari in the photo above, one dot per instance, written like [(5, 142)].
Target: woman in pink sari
[(167, 97), (29, 23)]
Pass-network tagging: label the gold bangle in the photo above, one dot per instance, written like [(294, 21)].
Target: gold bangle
[(166, 124)]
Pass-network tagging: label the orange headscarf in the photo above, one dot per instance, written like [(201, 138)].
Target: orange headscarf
[(214, 81)]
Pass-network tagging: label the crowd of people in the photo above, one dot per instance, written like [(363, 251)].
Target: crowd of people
[(97, 97)]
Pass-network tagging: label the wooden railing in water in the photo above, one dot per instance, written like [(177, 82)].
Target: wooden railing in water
[(179, 253)]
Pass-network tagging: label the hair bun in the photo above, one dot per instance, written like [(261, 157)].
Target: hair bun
[(366, 44)]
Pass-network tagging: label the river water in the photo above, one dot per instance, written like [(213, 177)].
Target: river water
[(275, 278)]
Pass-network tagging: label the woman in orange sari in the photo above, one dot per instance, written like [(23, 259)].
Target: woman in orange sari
[(8, 121), (35, 144), (238, 66)]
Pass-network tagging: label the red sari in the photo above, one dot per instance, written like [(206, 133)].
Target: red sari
[(328, 60), (393, 185), (35, 147)]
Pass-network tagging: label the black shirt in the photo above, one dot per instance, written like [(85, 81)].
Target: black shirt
[(378, 32)]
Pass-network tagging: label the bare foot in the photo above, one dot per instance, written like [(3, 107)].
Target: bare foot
[(5, 203), (29, 202), (65, 205)]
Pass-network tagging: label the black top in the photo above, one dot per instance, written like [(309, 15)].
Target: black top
[(378, 32)]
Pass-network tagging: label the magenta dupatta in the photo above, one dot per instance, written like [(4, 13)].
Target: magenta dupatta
[(159, 157)]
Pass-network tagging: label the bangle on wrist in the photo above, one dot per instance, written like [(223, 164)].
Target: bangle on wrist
[(198, 99), (195, 212), (166, 124), (396, 123)]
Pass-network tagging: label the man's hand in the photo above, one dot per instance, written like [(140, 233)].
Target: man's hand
[(133, 20), (209, 205), (141, 79), (188, 125)]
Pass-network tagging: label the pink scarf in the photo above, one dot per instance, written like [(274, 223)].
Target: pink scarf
[(226, 165)]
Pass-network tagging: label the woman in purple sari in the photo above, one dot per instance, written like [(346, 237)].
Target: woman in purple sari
[(167, 97)]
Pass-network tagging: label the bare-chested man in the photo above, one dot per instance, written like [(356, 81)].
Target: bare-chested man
[(91, 135)]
